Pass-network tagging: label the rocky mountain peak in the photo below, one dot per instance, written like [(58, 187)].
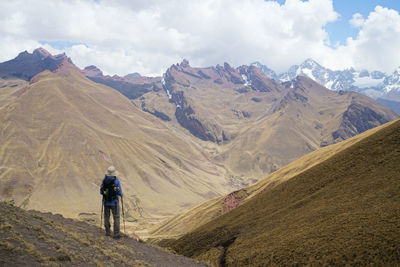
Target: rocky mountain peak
[(22, 54), (310, 63), (91, 67), (27, 65), (228, 67), (41, 52), (133, 75), (392, 82), (377, 74), (363, 73), (267, 71), (185, 63), (92, 71), (65, 66)]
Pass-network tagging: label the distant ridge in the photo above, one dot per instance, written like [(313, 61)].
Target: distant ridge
[(132, 85), (375, 84), (27, 65)]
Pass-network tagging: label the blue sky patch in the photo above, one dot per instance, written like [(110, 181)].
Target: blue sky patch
[(60, 45), (341, 29)]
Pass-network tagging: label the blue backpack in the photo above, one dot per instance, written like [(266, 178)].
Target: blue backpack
[(109, 189)]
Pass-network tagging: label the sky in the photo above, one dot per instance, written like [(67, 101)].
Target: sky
[(148, 36)]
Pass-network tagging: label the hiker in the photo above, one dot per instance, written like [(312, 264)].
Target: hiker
[(110, 190)]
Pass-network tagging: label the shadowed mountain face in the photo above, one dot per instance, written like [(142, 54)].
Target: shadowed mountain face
[(131, 85), (27, 65), (31, 238), (61, 131), (341, 209)]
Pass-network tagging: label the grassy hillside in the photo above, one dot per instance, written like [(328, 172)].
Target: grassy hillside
[(189, 220), (31, 238), (344, 210)]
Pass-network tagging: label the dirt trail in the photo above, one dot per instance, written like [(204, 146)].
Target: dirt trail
[(31, 238)]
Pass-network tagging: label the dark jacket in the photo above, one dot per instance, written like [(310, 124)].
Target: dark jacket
[(119, 193)]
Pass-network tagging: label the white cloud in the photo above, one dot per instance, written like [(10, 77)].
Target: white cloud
[(148, 36), (376, 46), (357, 20)]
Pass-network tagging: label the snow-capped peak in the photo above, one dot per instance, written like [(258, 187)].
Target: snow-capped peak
[(392, 82), (246, 80), (267, 71), (310, 64), (311, 69), (370, 82)]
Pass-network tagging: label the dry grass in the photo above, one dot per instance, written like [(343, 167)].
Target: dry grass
[(32, 238), (6, 226), (344, 210)]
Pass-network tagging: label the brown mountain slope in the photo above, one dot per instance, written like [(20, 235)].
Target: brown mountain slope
[(307, 116), (344, 210), (212, 103), (205, 212), (60, 133), (8, 89), (31, 238)]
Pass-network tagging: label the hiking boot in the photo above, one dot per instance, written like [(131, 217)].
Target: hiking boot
[(117, 236)]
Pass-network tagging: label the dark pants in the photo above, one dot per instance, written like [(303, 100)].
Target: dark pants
[(115, 212)]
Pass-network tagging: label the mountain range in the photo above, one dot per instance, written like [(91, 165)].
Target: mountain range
[(231, 106), (376, 84), (178, 140)]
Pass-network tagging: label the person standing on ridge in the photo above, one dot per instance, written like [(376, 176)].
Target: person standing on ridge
[(110, 190)]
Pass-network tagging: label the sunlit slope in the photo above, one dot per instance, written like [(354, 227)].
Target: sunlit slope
[(9, 88), (62, 132), (205, 212), (344, 209)]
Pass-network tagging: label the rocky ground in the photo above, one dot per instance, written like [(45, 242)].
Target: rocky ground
[(31, 238)]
